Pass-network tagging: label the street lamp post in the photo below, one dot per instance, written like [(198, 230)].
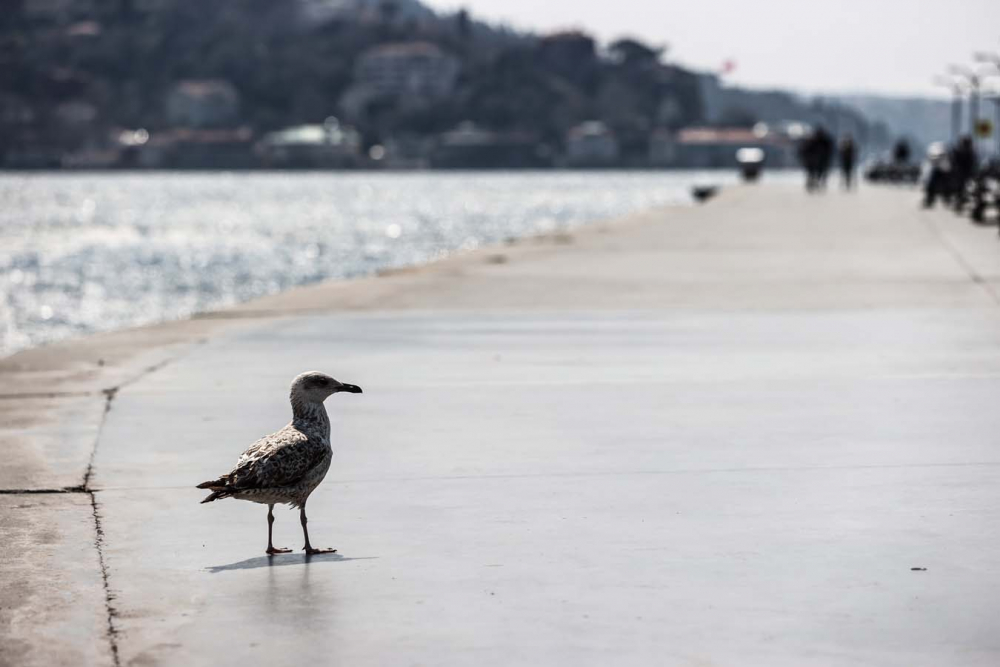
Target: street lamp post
[(973, 80), (993, 59), (994, 97), (956, 104)]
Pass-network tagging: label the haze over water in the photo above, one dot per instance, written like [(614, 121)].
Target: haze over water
[(93, 252)]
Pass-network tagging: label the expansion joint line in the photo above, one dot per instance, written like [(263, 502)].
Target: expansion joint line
[(84, 487), (109, 597), (962, 262)]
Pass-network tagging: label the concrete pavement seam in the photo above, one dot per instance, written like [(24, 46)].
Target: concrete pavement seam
[(109, 597), (110, 394), (89, 472), (17, 492), (961, 261), (47, 394), (110, 611)]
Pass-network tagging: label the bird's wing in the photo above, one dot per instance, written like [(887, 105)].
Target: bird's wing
[(279, 459)]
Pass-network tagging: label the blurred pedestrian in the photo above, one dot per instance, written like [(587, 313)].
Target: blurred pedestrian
[(847, 154), (964, 163), (825, 149), (901, 153), (816, 155), (807, 157), (939, 178)]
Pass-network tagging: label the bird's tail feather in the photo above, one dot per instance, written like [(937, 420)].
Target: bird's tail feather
[(218, 487), (213, 483), (216, 495)]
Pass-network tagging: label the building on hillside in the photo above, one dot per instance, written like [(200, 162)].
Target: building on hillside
[(329, 145), (189, 148), (411, 73), (469, 146), (412, 68), (203, 103), (591, 144), (404, 151)]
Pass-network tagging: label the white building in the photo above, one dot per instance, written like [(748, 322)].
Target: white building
[(411, 68), (418, 69)]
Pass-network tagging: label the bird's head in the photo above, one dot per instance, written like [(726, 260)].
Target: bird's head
[(314, 387)]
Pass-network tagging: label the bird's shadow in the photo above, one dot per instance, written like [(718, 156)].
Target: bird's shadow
[(279, 560)]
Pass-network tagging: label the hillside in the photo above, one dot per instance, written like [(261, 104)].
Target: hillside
[(75, 74)]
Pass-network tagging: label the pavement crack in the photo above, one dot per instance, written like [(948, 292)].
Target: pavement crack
[(149, 370), (109, 597), (89, 472), (108, 392), (64, 489), (109, 398), (962, 262), (46, 394)]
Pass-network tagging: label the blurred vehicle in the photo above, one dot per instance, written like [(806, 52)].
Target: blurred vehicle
[(887, 170)]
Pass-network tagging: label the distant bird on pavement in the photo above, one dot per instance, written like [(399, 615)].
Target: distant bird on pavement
[(285, 467), (702, 193)]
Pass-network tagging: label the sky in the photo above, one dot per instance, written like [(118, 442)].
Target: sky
[(874, 46)]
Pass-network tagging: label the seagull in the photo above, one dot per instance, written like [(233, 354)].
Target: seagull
[(286, 466)]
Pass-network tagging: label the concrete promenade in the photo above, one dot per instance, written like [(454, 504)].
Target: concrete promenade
[(765, 431)]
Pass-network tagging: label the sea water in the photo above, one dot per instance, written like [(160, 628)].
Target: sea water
[(86, 252)]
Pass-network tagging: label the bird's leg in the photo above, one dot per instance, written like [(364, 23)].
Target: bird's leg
[(270, 522), (305, 532)]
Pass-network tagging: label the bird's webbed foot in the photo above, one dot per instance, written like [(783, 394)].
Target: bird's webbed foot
[(310, 551), (276, 550)]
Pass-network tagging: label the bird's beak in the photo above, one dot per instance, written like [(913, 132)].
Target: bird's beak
[(350, 388)]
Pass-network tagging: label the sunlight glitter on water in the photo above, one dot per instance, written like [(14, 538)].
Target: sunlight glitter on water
[(91, 252)]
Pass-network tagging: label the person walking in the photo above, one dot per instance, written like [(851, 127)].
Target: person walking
[(964, 163), (825, 150), (816, 153), (939, 178), (847, 154), (807, 156), (901, 153)]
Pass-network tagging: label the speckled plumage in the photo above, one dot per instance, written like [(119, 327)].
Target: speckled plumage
[(286, 466)]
